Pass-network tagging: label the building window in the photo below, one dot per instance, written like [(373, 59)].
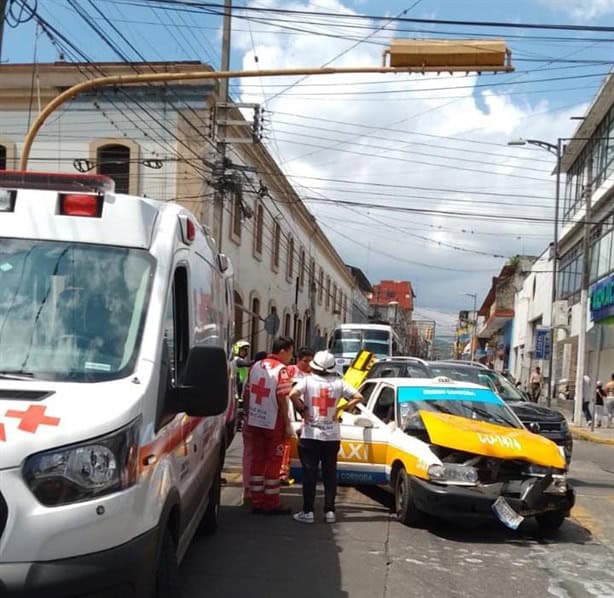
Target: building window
[(570, 274), (320, 286), (276, 244), (312, 273), (327, 303), (301, 268), (298, 336), (113, 160), (290, 258), (334, 298), (236, 215), (238, 316), (3, 157), (255, 325), (258, 231), (287, 325)]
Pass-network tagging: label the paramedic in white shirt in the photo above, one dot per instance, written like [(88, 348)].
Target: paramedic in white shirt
[(315, 398)]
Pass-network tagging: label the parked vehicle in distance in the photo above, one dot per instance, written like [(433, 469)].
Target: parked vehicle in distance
[(115, 356), (537, 418), (346, 340), (453, 450)]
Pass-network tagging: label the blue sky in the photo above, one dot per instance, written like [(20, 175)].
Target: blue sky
[(439, 142)]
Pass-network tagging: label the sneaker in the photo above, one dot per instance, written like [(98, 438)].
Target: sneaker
[(329, 517), (304, 517), (288, 482)]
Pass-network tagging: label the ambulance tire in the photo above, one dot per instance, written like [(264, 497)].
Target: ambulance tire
[(209, 522), (550, 521), (405, 509), (167, 574)]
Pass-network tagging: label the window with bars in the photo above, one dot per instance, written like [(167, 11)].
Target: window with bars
[(113, 160), (320, 286), (301, 268), (276, 244), (290, 258), (259, 230), (236, 215)]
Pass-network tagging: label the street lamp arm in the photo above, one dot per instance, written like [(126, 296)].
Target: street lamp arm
[(551, 147), (118, 80)]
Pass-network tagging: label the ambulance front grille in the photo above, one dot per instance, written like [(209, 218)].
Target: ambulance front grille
[(4, 513)]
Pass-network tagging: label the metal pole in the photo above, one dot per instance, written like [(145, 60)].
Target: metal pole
[(2, 12), (586, 270), (220, 193), (555, 263), (475, 325)]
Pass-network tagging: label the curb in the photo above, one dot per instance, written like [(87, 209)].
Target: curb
[(583, 435)]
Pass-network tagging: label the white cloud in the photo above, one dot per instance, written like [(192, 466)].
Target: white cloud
[(395, 153), (583, 10)]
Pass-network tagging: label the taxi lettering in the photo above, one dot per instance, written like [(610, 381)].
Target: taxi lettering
[(504, 441), (356, 451)]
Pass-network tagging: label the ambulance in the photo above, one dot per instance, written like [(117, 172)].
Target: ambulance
[(452, 450), (115, 335)]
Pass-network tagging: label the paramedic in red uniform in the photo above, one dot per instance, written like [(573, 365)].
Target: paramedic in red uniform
[(269, 384), (320, 437), (297, 371)]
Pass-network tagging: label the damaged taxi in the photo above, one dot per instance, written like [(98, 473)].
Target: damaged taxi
[(452, 450)]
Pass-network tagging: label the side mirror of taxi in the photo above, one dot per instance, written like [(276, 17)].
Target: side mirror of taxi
[(203, 389), (534, 427), (363, 422)]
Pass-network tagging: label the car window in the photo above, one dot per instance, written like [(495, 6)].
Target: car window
[(401, 369), (366, 391), (384, 405)]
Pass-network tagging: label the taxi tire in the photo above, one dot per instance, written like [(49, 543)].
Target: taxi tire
[(406, 511), (550, 521), (167, 572)]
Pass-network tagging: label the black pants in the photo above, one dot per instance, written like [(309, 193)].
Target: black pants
[(313, 452)]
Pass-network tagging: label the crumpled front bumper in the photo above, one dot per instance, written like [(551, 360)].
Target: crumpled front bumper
[(475, 502)]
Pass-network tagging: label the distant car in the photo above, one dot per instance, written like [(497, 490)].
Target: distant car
[(453, 450), (537, 418)]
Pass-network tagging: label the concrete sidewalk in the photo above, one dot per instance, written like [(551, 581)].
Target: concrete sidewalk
[(601, 435)]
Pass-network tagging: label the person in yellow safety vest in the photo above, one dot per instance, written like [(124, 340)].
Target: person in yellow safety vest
[(242, 364)]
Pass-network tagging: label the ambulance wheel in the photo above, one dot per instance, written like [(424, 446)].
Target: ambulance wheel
[(209, 522), (550, 521), (167, 575), (404, 505)]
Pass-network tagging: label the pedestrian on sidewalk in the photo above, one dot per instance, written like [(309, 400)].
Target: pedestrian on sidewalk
[(535, 383), (267, 417), (247, 437), (316, 398), (599, 402), (297, 372), (587, 393), (609, 400)]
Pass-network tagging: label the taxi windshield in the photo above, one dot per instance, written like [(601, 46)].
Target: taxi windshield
[(70, 311), (477, 404)]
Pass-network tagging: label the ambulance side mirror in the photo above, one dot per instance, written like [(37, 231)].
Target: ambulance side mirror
[(203, 389)]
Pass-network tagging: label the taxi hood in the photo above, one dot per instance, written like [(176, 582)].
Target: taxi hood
[(490, 440), (38, 416)]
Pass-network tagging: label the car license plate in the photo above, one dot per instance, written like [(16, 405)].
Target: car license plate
[(506, 514)]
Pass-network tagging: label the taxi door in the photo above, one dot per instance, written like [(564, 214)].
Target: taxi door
[(364, 441)]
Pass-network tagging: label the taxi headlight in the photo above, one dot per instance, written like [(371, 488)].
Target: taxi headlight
[(454, 473), (86, 470)]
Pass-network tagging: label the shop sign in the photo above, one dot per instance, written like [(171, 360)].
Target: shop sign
[(542, 343), (602, 299)]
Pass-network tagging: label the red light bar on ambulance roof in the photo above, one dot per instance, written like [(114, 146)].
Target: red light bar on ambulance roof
[(48, 181)]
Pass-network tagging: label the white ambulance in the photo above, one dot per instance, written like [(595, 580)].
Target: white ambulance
[(115, 338)]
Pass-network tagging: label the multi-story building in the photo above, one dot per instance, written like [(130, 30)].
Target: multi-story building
[(393, 301), (360, 296), (160, 141), (497, 310), (587, 165)]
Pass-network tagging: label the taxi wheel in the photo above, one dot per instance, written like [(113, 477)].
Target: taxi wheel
[(167, 574), (550, 521), (405, 508)]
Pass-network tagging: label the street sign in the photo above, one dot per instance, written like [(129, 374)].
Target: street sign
[(542, 343)]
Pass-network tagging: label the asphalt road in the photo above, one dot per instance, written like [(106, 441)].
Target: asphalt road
[(368, 554)]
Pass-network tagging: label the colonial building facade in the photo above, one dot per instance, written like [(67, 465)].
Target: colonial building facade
[(160, 141)]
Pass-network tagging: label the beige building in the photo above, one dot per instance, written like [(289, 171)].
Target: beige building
[(160, 141)]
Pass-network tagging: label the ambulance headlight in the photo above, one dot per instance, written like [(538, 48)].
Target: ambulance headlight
[(453, 473), (86, 470)]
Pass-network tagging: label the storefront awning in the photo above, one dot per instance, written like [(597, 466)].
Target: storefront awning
[(495, 322)]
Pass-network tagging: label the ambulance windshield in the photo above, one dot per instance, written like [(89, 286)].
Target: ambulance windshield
[(71, 312)]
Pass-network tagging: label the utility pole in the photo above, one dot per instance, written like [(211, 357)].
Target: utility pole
[(2, 12), (586, 271), (220, 161)]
